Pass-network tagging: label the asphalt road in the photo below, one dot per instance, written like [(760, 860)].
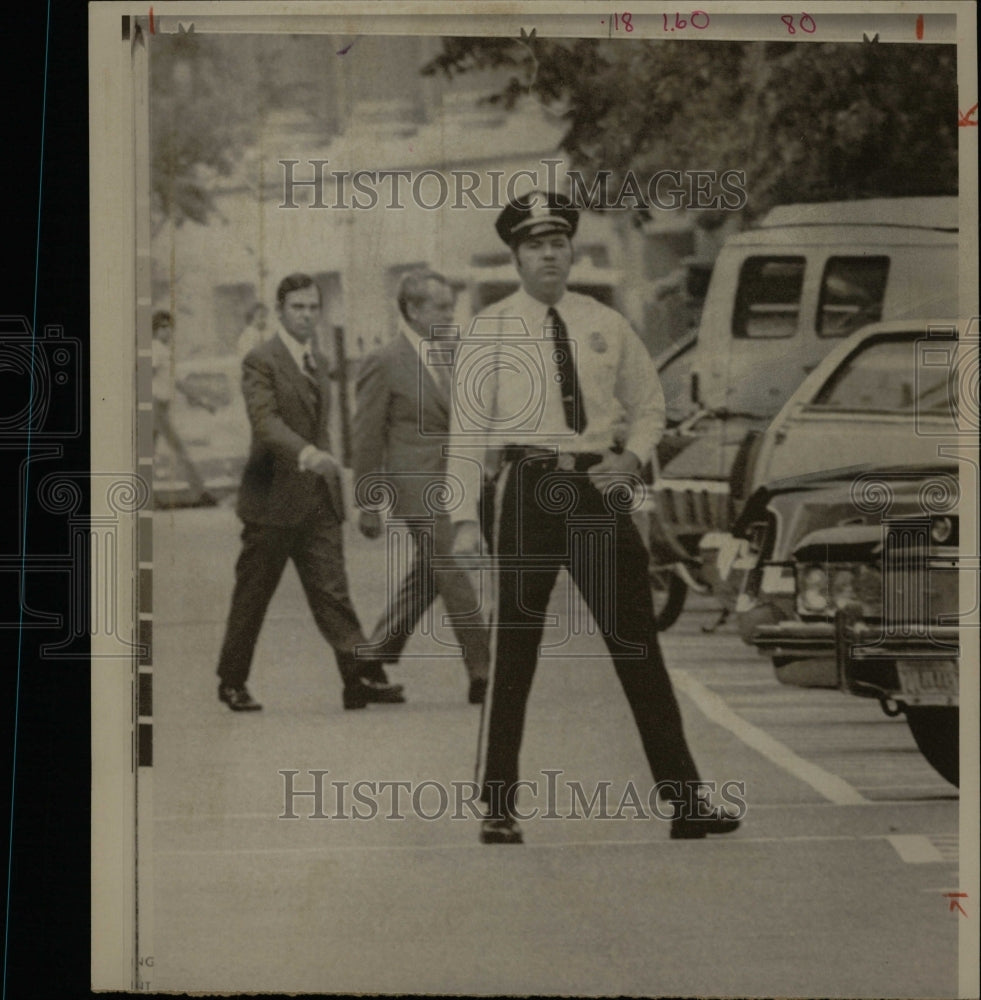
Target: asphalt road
[(834, 885)]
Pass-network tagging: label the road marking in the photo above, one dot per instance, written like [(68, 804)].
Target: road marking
[(914, 848), (833, 788), (783, 807), (729, 841)]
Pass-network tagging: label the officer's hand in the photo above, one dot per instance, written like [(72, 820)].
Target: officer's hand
[(370, 523), (626, 463), (467, 539)]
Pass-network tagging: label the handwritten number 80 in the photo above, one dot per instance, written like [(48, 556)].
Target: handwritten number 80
[(806, 24)]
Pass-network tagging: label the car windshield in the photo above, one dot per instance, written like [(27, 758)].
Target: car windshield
[(888, 375)]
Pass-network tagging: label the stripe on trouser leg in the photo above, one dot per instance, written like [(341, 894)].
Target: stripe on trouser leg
[(492, 625)]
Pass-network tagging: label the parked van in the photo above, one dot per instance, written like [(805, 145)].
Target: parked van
[(782, 294)]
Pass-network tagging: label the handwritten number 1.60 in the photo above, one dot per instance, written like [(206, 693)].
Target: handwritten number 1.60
[(696, 19), (805, 23)]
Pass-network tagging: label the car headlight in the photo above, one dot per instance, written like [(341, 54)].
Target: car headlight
[(842, 586), (812, 591)]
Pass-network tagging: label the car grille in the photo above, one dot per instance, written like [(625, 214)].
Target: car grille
[(694, 508)]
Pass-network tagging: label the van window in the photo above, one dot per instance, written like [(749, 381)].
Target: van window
[(852, 290), (768, 297)]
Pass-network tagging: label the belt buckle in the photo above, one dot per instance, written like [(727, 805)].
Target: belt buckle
[(566, 462)]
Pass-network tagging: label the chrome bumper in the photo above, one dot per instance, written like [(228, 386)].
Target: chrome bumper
[(803, 639)]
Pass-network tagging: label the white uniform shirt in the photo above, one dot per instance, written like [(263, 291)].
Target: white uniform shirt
[(507, 387)]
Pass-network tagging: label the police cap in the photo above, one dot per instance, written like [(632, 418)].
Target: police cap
[(535, 214)]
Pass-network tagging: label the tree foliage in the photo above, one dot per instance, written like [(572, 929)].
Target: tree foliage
[(209, 97), (806, 122)]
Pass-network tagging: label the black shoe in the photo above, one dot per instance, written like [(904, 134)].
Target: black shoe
[(500, 830), (355, 696), (382, 692), (698, 826), (237, 699), (478, 688)]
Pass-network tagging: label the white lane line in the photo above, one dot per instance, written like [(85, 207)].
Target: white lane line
[(914, 848), (833, 788), (729, 841)]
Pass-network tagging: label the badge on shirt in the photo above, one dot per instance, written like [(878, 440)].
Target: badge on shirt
[(597, 342)]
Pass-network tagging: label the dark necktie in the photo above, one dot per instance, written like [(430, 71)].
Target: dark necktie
[(310, 370), (572, 404)]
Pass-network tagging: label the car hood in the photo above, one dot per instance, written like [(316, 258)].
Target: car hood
[(854, 496)]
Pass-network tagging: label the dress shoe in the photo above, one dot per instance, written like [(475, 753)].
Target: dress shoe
[(355, 696), (238, 698), (500, 830), (478, 688), (696, 827), (382, 692)]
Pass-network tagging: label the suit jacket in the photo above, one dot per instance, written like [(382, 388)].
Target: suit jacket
[(401, 426), (285, 418)]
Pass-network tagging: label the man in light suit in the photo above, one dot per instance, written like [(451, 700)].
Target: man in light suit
[(292, 505), (400, 430)]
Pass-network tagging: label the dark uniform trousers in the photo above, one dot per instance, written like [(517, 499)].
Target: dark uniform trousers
[(549, 520), (316, 550)]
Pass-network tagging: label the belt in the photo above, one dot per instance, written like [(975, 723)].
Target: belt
[(549, 460)]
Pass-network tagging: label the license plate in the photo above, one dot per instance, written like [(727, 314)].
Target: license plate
[(928, 677)]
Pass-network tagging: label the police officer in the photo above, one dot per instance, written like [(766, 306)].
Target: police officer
[(543, 383)]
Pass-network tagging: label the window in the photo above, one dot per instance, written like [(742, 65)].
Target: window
[(851, 294), (884, 376), (768, 297)]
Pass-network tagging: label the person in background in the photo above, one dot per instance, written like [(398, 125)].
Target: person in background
[(400, 430), (163, 385)]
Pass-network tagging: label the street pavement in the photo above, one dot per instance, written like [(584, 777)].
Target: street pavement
[(833, 886)]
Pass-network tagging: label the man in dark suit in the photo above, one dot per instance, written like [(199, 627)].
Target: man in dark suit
[(400, 431), (292, 504)]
